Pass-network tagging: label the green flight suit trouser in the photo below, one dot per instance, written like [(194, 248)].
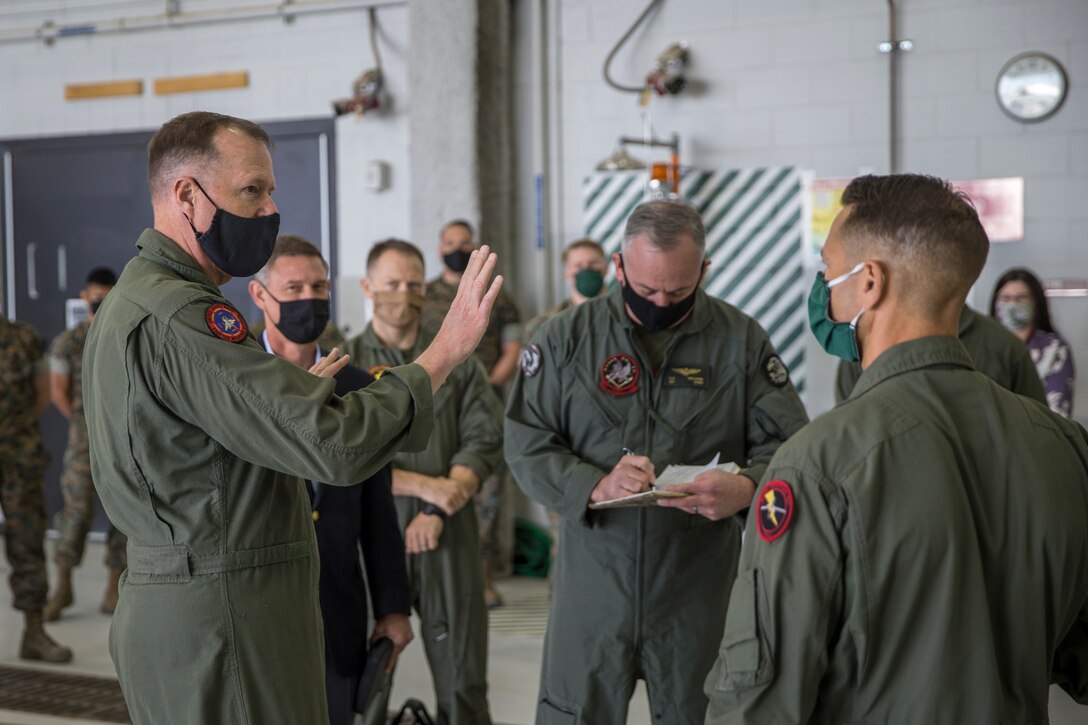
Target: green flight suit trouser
[(447, 594)]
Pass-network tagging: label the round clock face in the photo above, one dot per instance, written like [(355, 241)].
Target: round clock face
[(1031, 87)]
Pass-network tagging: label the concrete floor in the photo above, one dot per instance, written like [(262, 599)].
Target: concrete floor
[(513, 666)]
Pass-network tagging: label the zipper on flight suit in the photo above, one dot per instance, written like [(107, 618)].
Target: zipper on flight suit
[(652, 392)]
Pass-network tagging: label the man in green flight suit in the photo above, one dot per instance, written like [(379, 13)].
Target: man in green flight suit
[(433, 490), (199, 439), (498, 351), (920, 553), (660, 368), (996, 353)]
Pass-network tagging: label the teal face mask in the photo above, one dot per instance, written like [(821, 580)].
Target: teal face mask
[(837, 338), (588, 282)]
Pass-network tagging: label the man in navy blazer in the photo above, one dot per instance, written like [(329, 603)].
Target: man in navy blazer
[(293, 292)]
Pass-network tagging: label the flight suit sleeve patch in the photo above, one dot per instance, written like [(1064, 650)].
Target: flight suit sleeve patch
[(531, 360), (777, 372), (225, 323), (377, 370), (774, 507)]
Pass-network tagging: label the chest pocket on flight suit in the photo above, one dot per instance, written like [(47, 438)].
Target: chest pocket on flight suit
[(745, 656), (704, 427), (611, 421)]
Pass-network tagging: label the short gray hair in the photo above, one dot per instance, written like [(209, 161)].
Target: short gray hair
[(664, 222), (289, 245)]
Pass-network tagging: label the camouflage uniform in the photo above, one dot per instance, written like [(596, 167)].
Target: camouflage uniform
[(74, 521), (22, 462), (503, 327)]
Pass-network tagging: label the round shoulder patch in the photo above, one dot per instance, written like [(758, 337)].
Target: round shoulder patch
[(774, 510), (225, 323), (377, 370), (777, 372), (531, 359)]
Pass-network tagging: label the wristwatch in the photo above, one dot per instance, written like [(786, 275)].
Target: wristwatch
[(431, 510)]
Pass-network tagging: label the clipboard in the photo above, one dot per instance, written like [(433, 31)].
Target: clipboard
[(646, 498), (672, 474)]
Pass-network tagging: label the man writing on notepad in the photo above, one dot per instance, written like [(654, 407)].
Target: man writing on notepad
[(661, 368)]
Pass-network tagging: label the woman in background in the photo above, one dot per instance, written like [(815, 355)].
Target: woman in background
[(1020, 305)]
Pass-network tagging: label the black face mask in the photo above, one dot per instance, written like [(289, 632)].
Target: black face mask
[(302, 321), (239, 246), (94, 306), (654, 317), (457, 260)]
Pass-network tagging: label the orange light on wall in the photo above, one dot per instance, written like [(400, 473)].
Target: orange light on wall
[(666, 176)]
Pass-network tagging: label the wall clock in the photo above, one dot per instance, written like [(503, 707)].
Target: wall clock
[(1031, 87)]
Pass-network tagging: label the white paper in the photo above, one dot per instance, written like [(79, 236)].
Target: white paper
[(674, 474)]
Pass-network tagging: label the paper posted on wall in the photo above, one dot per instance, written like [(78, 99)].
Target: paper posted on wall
[(672, 475)]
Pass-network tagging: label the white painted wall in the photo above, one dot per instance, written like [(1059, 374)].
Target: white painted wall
[(801, 82), (779, 81), (295, 70)]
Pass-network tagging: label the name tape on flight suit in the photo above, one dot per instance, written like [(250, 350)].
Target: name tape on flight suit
[(686, 376), (775, 510), (225, 323)]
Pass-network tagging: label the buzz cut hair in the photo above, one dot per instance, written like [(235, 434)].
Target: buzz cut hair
[(289, 245), (392, 244), (583, 243), (102, 276), (665, 222), (927, 232), (463, 223), (188, 140)]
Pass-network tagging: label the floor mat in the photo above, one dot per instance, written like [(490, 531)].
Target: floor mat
[(524, 613), (49, 693)]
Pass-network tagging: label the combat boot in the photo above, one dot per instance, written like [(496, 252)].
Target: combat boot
[(62, 595), (37, 645), (109, 598)]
